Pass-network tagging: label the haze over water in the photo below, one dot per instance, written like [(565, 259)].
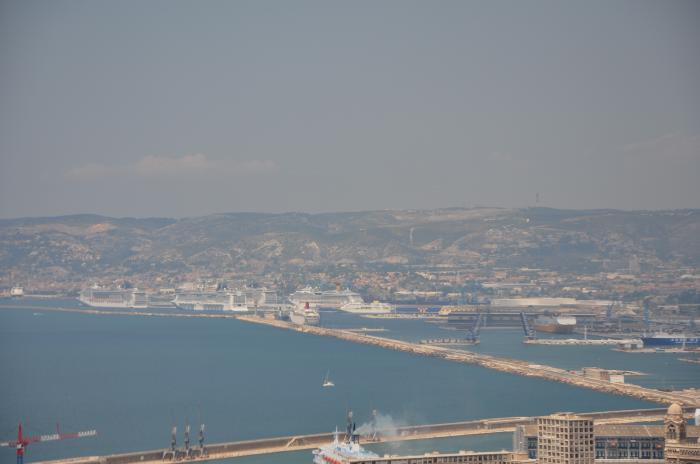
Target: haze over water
[(131, 378)]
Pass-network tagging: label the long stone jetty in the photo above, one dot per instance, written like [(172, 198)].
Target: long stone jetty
[(511, 366), (235, 449)]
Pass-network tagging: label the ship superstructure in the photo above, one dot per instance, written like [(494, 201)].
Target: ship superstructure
[(99, 297), (555, 324), (261, 296), (343, 451), (212, 301), (305, 314), (325, 298), (375, 307)]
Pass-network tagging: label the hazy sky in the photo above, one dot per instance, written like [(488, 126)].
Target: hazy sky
[(182, 108)]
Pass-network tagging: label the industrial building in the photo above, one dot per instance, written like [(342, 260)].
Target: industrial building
[(557, 439), (566, 438)]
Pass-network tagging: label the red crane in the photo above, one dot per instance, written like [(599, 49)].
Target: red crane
[(22, 442)]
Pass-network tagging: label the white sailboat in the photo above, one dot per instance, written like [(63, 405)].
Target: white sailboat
[(327, 381)]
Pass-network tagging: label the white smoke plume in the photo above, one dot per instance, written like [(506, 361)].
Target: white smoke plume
[(380, 425)]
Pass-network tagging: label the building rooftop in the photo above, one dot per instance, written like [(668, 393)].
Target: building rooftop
[(675, 410), (626, 430)]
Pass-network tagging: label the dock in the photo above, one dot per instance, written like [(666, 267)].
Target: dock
[(368, 329), (511, 366), (583, 341), (508, 365), (235, 449), (449, 341)]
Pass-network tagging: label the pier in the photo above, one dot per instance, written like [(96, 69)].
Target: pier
[(306, 442), (511, 366), (449, 341), (583, 341)]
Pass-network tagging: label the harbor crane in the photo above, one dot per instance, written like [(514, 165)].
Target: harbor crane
[(188, 453), (22, 442), (201, 441), (172, 452)]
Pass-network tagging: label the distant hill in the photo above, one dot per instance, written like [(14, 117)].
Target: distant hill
[(80, 247)]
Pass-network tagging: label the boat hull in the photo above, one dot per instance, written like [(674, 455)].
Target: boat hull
[(554, 328), (301, 319), (196, 306), (671, 341), (366, 311)]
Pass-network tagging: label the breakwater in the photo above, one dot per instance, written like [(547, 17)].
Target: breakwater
[(302, 442), (512, 366)]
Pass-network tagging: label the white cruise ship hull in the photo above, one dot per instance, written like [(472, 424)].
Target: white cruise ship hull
[(94, 304), (98, 304), (367, 311), (198, 306), (113, 299), (302, 319)]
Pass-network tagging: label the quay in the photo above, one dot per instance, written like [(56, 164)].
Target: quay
[(583, 341), (449, 341), (511, 366), (305, 442), (368, 329)]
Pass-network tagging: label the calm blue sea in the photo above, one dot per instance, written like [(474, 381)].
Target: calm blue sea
[(662, 370), (132, 378)]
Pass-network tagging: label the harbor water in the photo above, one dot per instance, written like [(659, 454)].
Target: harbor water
[(133, 378)]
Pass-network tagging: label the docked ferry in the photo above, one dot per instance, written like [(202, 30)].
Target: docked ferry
[(345, 451), (325, 298), (304, 315), (98, 297), (375, 307), (671, 340), (212, 301)]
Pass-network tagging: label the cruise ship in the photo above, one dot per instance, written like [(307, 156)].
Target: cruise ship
[(304, 315), (345, 451), (98, 297), (212, 301), (325, 298), (260, 297), (375, 307)]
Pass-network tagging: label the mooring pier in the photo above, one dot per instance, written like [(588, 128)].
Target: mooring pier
[(305, 442), (512, 366)]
